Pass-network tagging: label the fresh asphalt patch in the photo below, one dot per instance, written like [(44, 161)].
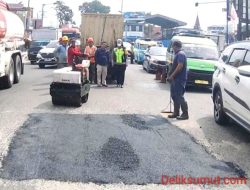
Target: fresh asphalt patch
[(133, 149)]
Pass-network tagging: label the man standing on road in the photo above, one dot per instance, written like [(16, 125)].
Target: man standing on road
[(178, 78), (61, 53), (119, 59), (102, 61), (90, 52), (132, 56)]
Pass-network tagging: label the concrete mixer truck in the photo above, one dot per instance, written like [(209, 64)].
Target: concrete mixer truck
[(11, 40)]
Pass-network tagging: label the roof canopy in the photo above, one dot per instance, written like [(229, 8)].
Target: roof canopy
[(164, 21)]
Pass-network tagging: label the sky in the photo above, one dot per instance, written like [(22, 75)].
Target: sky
[(210, 12)]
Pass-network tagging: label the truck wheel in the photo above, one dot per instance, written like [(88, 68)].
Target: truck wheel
[(41, 66), (8, 80), (18, 69), (85, 98)]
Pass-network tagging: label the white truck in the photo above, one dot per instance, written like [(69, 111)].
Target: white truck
[(46, 34), (11, 41)]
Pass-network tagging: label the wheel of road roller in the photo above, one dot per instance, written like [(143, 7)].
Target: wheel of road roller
[(85, 98), (56, 100), (78, 101)]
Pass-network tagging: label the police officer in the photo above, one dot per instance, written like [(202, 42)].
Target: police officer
[(178, 78), (119, 60)]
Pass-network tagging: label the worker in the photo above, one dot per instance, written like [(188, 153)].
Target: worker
[(60, 41), (132, 56), (119, 60), (74, 55), (102, 60), (61, 53), (178, 79), (90, 53)]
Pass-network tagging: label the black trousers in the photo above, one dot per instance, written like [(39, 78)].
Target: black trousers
[(120, 73), (92, 72)]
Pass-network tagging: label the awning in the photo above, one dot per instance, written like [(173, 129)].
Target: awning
[(164, 21)]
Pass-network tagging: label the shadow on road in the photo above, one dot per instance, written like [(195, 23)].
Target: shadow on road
[(132, 149), (231, 131), (230, 142)]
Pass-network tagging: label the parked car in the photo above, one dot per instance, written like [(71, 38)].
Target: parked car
[(140, 48), (231, 85), (202, 54), (46, 56), (155, 57), (35, 47)]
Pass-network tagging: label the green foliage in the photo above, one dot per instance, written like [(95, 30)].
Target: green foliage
[(94, 7), (63, 12)]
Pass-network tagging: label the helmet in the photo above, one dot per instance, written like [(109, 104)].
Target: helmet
[(65, 38), (90, 39), (119, 42)]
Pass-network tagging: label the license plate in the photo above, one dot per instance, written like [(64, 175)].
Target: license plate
[(47, 59), (201, 82)]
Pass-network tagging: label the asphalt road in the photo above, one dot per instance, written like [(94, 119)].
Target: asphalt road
[(117, 140)]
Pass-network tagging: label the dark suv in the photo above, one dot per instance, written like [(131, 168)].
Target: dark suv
[(35, 46)]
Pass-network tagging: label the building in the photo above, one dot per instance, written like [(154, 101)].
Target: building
[(242, 8), (133, 26)]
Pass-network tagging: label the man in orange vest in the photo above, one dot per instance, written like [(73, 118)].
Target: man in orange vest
[(90, 53)]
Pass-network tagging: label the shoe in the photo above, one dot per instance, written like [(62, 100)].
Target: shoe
[(121, 86), (184, 115), (104, 85), (176, 111)]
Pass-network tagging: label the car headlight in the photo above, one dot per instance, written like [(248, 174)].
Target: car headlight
[(39, 56)]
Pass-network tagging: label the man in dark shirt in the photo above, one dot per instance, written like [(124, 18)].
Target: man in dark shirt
[(102, 61), (178, 78)]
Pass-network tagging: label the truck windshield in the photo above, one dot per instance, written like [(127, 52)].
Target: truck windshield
[(201, 52)]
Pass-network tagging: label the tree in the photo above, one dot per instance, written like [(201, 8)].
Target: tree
[(94, 7), (63, 12)]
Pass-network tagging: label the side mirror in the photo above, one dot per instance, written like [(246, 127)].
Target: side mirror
[(244, 70), (224, 58)]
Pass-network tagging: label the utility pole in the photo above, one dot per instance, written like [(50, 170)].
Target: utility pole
[(227, 36), (42, 12), (28, 16), (122, 7)]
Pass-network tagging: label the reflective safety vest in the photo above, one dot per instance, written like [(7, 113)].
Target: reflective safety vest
[(119, 55)]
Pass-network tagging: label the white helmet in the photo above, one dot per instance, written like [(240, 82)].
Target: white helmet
[(119, 42), (78, 43)]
